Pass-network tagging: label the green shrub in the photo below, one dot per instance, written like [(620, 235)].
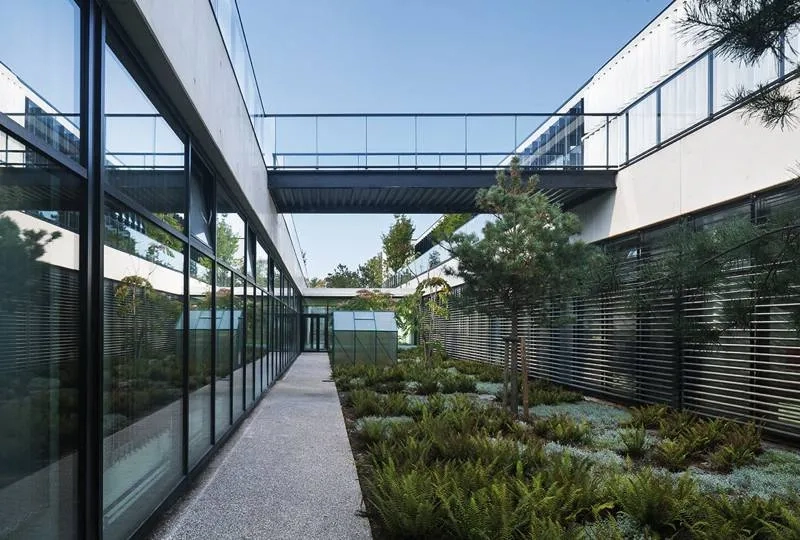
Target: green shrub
[(657, 502), (481, 371), (744, 436), (490, 511), (722, 517), (365, 403), (426, 385), (675, 424), (727, 457), (634, 440), (455, 383), (545, 393), (390, 387), (648, 416), (404, 501), (673, 454), (394, 405), (562, 428)]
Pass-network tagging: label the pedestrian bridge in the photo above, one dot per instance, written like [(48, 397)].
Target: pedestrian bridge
[(432, 163)]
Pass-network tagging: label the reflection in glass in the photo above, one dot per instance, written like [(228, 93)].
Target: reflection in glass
[(251, 346), (684, 99), (732, 77), (239, 373), (226, 333), (259, 341), (200, 328), (39, 59), (144, 156), (230, 232), (40, 304), (642, 126), (142, 368), (201, 186)]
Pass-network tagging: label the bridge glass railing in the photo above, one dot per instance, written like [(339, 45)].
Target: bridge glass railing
[(443, 141)]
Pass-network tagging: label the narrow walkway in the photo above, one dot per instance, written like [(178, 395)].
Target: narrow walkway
[(287, 473)]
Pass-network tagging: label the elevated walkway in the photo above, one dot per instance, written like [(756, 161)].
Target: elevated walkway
[(446, 191), (288, 472), (435, 162)]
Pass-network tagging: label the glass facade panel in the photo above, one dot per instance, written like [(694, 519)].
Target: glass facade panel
[(262, 266), (642, 126), (226, 333), (142, 368), (793, 48), (250, 349), (239, 363), (201, 187), (39, 68), (144, 156), (230, 232), (40, 305), (732, 77), (684, 99), (200, 328)]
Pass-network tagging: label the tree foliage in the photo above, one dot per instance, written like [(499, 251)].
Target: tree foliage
[(760, 258), (227, 243), (526, 260), (371, 272), (746, 30), (447, 227), (416, 312), (20, 250), (342, 277), (366, 300), (397, 244)]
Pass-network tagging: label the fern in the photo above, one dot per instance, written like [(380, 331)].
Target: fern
[(404, 502), (647, 416), (635, 441), (655, 501), (672, 453)]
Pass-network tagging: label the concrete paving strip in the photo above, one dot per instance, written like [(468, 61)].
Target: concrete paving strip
[(287, 473)]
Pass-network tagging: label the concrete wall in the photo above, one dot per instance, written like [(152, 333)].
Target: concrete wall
[(182, 47), (726, 159)]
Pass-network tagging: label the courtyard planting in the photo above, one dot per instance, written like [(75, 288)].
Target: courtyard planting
[(438, 457)]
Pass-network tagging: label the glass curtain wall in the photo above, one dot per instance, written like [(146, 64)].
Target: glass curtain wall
[(42, 203), (163, 356)]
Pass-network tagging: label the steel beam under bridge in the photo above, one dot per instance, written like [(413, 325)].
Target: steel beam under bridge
[(371, 191)]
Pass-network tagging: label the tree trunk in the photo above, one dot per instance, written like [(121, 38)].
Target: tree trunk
[(506, 374), (514, 361), (525, 397)]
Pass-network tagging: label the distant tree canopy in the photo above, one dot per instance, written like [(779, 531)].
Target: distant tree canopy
[(366, 300), (397, 243), (371, 272), (342, 277)]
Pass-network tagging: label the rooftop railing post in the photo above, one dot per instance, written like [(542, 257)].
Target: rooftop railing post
[(366, 141), (608, 143), (465, 141), (275, 139), (415, 141), (316, 140)]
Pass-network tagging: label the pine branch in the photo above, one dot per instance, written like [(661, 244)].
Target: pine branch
[(746, 29)]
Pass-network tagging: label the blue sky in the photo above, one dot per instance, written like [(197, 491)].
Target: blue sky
[(424, 56)]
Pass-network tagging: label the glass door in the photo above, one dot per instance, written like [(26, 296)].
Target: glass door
[(315, 329)]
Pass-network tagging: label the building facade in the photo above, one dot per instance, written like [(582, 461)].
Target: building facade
[(686, 154), (151, 292)]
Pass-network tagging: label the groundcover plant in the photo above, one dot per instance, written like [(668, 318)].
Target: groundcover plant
[(438, 458)]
